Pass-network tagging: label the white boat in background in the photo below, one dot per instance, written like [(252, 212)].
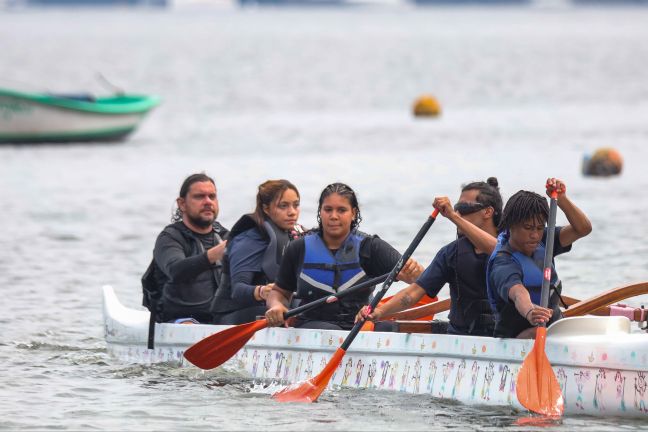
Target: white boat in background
[(600, 364), (43, 117)]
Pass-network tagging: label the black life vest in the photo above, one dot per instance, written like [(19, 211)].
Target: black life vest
[(471, 312), (279, 240), (192, 298), (158, 291), (323, 273)]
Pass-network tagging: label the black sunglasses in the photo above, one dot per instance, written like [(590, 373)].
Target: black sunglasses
[(466, 208)]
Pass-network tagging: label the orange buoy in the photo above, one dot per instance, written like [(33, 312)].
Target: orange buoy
[(604, 162), (427, 106)]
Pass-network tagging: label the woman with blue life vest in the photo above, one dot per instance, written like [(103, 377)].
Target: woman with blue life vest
[(515, 268), (330, 260), (256, 245)]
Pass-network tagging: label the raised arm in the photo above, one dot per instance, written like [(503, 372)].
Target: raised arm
[(579, 225), (482, 240)]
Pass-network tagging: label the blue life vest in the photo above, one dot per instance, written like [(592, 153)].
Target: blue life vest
[(324, 273), (532, 271)]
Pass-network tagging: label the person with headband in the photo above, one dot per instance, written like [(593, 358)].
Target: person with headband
[(461, 263)]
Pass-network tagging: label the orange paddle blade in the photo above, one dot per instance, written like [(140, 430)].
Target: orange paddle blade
[(538, 421), (309, 391), (216, 349), (537, 387)]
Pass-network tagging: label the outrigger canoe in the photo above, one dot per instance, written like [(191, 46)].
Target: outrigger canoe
[(43, 117), (601, 365)]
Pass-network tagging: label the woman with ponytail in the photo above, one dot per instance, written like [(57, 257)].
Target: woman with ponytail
[(255, 249), (460, 264)]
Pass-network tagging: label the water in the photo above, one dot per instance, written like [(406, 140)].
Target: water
[(315, 96)]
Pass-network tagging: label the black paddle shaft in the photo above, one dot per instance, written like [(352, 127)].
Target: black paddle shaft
[(312, 305), (548, 258), (390, 279)]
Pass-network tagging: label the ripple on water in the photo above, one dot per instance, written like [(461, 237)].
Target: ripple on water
[(47, 346), (89, 215), (64, 237)]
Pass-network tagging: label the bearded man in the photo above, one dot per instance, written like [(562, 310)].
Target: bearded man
[(188, 254)]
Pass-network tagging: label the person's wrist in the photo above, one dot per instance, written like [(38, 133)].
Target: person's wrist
[(526, 315)]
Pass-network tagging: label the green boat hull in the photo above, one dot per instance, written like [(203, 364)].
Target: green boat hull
[(42, 118)]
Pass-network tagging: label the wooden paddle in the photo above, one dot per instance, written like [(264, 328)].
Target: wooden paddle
[(310, 390), (537, 387), (599, 304), (421, 311), (216, 349)]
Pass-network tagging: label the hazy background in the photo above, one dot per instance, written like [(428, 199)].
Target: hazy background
[(314, 95)]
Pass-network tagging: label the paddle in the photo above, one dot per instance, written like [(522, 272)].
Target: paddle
[(599, 304), (310, 390), (537, 387), (216, 349), (416, 313)]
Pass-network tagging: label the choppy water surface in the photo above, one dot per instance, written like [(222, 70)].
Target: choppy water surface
[(316, 96)]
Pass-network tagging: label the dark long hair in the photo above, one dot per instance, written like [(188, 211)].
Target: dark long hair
[(523, 206), (345, 191), (489, 195), (184, 190), (269, 192)]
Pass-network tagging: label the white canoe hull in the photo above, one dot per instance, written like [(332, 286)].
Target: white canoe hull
[(600, 375)]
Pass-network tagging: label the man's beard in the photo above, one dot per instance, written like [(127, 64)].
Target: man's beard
[(199, 222)]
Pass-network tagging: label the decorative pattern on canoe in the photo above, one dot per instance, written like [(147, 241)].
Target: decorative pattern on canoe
[(469, 370)]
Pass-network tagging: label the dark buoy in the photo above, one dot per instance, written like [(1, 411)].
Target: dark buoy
[(604, 162)]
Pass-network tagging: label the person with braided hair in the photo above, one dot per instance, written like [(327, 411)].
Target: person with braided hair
[(461, 263), (331, 259), (515, 268)]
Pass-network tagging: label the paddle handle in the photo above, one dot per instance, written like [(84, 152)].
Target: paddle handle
[(548, 258), (314, 304), (392, 276)]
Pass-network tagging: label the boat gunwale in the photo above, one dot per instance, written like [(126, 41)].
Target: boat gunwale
[(444, 344), (133, 103)]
